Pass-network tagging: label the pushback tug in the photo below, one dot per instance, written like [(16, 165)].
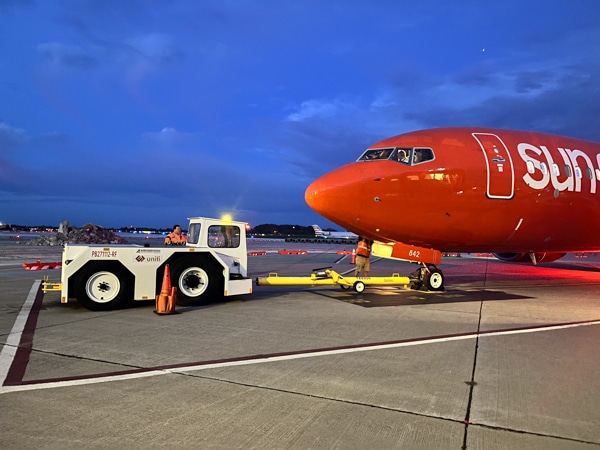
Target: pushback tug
[(213, 263)]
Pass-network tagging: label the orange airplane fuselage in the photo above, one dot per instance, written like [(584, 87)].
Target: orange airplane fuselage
[(469, 190)]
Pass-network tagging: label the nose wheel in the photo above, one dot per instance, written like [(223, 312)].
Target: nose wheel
[(428, 278)]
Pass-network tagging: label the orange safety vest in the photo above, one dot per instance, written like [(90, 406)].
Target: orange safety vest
[(364, 249), (175, 239)]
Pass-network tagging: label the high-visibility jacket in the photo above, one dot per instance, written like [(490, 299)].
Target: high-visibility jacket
[(175, 239), (364, 248)]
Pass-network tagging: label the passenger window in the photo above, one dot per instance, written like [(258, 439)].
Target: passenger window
[(543, 168), (556, 169), (530, 166), (589, 173), (597, 174), (223, 236), (577, 172), (568, 170), (193, 235)]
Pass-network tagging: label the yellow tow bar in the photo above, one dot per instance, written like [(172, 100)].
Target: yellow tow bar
[(329, 277), (51, 285)]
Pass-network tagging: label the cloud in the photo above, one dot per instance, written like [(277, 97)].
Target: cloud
[(310, 148), (12, 140), (169, 135), (7, 5), (67, 55), (560, 99), (146, 77), (316, 108), (11, 136), (156, 47), (10, 131), (138, 56), (552, 95)]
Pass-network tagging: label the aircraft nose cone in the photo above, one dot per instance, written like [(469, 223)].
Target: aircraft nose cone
[(337, 195)]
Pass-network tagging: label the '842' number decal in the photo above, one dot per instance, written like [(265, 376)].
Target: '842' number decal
[(414, 253)]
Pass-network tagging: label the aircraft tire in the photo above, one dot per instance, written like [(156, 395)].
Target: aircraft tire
[(417, 279), (435, 280)]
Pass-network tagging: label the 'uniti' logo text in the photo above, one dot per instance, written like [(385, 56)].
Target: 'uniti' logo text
[(149, 259)]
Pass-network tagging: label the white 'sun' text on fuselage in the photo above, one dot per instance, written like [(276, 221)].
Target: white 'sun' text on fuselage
[(567, 174)]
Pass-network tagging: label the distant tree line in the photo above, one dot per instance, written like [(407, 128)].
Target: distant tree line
[(266, 229), (270, 229)]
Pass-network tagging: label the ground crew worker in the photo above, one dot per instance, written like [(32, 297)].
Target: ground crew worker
[(175, 237), (363, 254)]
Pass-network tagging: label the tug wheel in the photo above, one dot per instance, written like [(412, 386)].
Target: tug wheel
[(198, 281), (102, 286)]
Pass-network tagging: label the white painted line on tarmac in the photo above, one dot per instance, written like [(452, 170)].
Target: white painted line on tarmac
[(80, 382), (9, 350), (365, 348), (286, 357)]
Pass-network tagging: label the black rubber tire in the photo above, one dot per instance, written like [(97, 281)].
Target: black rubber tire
[(103, 286), (417, 279), (198, 280), (435, 280)]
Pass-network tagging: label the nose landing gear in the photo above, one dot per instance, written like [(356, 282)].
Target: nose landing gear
[(428, 278)]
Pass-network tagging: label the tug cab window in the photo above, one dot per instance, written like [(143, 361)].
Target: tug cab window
[(193, 235), (223, 236)]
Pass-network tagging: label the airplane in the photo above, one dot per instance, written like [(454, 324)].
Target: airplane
[(333, 234), (517, 194)]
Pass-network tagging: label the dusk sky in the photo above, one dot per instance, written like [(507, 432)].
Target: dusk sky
[(146, 112)]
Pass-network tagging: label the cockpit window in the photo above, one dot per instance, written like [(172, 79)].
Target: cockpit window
[(376, 153), (422, 155), (405, 155)]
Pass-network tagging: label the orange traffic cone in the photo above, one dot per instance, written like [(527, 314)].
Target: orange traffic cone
[(353, 260), (165, 301), (172, 301)]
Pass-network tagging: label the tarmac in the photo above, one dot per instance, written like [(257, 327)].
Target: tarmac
[(506, 357)]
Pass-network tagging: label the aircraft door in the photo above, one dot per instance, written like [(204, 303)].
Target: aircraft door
[(500, 170)]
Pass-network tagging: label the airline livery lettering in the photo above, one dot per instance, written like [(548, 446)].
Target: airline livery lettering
[(570, 171)]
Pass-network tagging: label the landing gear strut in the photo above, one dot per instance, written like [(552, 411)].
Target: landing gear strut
[(428, 278)]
